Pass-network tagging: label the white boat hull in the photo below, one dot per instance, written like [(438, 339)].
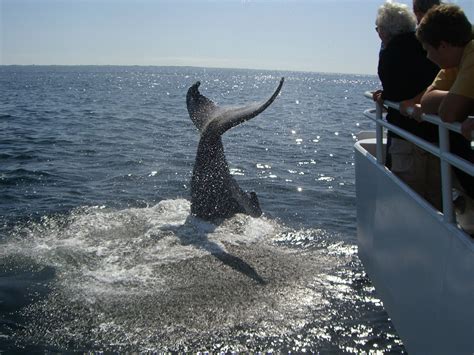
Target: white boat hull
[(422, 267)]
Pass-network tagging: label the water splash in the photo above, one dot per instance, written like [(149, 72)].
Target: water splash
[(157, 278)]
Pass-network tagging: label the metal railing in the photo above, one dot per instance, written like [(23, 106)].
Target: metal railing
[(447, 159)]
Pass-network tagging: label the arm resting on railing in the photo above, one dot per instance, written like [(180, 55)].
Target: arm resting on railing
[(455, 127), (432, 99), (455, 108)]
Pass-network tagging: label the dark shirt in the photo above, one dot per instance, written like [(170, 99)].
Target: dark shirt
[(405, 72)]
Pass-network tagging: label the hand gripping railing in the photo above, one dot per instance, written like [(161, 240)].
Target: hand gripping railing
[(447, 159)]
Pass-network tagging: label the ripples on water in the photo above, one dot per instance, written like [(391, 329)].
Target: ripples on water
[(99, 251)]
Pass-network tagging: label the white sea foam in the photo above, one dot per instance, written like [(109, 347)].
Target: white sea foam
[(100, 251), (147, 278)]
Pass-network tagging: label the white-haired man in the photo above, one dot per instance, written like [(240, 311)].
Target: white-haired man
[(405, 72)]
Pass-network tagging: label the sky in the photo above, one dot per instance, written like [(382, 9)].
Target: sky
[(336, 36)]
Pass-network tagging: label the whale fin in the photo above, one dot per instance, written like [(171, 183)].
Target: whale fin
[(206, 115)]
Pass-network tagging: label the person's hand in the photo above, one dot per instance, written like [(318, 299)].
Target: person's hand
[(416, 113), (377, 96), (411, 109), (467, 128), (406, 106)]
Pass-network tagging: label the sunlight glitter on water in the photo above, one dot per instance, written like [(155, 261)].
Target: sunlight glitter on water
[(236, 171), (137, 276), (107, 259)]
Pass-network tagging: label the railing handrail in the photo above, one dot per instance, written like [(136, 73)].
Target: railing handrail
[(453, 159), (447, 159), (455, 127)]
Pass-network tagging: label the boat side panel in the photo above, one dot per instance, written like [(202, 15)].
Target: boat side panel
[(412, 257), (458, 308), (365, 207)]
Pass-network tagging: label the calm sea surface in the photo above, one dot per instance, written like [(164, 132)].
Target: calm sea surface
[(98, 251)]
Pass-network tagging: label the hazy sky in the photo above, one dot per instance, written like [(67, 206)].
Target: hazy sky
[(304, 35)]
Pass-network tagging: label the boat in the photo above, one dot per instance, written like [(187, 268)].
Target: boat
[(419, 259)]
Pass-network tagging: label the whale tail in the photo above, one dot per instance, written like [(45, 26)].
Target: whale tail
[(214, 192), (203, 111)]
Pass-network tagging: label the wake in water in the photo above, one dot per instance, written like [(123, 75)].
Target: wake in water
[(159, 279)]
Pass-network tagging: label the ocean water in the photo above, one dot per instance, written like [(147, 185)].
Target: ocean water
[(99, 252)]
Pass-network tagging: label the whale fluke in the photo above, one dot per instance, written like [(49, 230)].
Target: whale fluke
[(214, 192)]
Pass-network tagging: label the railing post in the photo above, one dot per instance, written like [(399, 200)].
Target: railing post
[(379, 133), (446, 175)]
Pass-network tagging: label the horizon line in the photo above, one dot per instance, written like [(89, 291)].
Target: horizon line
[(180, 66)]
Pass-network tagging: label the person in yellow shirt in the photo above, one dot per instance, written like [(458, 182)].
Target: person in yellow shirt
[(446, 35)]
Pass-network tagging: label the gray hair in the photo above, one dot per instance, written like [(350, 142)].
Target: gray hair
[(395, 19), (424, 5)]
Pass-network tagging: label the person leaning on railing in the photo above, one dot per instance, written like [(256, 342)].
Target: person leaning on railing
[(405, 73), (420, 8), (445, 33)]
